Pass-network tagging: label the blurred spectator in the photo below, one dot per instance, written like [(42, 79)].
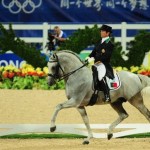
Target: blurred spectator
[(59, 36)]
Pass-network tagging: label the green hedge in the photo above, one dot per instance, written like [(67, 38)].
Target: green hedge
[(29, 82), (8, 41)]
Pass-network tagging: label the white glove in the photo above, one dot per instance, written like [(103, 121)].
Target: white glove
[(90, 60)]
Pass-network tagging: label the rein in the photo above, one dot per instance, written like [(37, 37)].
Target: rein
[(70, 73), (55, 76)]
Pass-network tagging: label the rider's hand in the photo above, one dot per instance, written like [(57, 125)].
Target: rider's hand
[(88, 60)]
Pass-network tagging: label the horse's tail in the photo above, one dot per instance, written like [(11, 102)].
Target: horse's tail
[(145, 80)]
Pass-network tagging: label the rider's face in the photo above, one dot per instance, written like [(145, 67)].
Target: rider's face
[(104, 34)]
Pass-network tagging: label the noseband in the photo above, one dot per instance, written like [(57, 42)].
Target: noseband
[(58, 66)]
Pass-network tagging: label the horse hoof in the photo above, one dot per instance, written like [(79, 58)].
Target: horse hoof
[(85, 142), (52, 129), (109, 136)]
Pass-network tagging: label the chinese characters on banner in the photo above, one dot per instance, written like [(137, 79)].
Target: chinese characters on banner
[(74, 10), (98, 4)]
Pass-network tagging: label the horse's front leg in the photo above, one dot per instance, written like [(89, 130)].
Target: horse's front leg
[(68, 104), (84, 116)]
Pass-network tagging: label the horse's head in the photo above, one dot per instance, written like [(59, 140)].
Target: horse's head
[(62, 64), (55, 69)]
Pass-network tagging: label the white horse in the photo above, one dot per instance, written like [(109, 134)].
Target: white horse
[(78, 82)]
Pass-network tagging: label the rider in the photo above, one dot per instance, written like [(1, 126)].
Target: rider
[(102, 54)]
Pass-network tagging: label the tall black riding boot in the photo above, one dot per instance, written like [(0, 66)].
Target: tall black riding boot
[(95, 78), (93, 98), (105, 89)]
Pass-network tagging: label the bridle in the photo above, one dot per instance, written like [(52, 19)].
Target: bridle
[(58, 66)]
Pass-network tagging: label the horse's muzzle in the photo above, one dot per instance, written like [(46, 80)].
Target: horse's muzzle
[(51, 81)]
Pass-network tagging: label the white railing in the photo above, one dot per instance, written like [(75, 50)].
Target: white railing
[(45, 27)]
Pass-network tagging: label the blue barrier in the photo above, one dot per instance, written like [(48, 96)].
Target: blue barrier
[(10, 58)]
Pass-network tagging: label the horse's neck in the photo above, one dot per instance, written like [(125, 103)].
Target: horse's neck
[(71, 66)]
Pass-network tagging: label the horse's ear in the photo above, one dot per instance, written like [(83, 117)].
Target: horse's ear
[(54, 57)]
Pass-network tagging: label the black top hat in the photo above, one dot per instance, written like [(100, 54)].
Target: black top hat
[(106, 28)]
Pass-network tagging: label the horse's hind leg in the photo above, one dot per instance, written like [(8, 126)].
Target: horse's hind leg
[(84, 116), (137, 101), (117, 106)]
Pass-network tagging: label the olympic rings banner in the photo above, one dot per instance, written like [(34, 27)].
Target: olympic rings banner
[(74, 11)]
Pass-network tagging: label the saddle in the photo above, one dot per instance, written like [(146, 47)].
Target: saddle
[(113, 84)]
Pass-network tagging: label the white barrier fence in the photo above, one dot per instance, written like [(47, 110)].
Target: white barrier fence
[(124, 27), (79, 129)]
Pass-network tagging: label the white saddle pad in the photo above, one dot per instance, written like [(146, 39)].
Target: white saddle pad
[(101, 70), (115, 83)]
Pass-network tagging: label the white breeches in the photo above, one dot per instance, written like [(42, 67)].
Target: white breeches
[(101, 70)]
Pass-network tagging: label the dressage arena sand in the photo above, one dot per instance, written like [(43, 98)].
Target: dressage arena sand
[(36, 107)]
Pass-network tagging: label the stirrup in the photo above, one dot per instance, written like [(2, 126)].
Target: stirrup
[(107, 98)]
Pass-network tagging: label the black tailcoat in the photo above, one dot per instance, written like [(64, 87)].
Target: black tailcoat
[(102, 52)]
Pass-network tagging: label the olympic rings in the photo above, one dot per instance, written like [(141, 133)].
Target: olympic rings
[(24, 6)]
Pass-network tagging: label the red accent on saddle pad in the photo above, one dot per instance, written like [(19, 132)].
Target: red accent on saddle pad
[(114, 85)]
